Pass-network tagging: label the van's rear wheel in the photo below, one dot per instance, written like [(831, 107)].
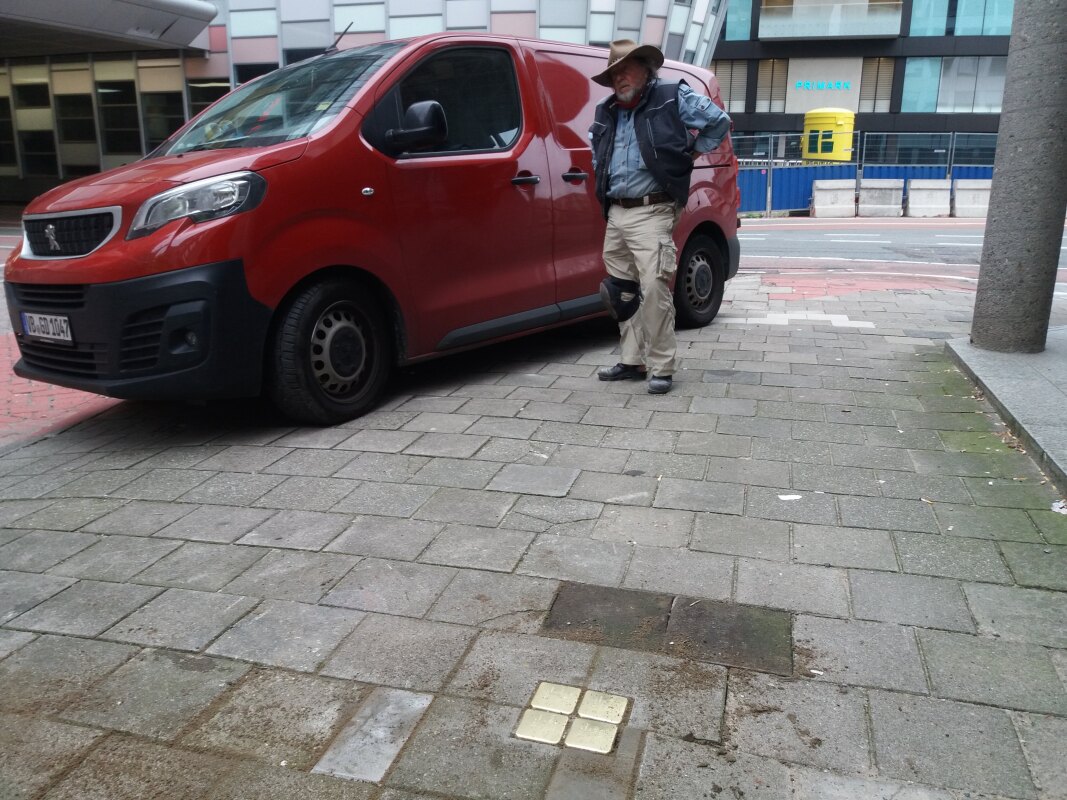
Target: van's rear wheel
[(700, 283), (331, 354)]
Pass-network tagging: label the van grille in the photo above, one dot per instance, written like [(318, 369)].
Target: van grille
[(57, 296), (81, 360), (141, 338), (69, 235)]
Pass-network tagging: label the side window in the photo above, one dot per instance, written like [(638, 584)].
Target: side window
[(478, 91)]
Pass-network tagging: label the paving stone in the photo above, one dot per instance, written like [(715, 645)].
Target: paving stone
[(839, 480), (614, 489), (557, 511), (800, 452), (181, 457), (680, 571), (570, 433), (1042, 740), (973, 442), (992, 672), (139, 518), (741, 536), (948, 744), (650, 526), (301, 530), (941, 489), (617, 417), (286, 634), (457, 473), (278, 717), (440, 422), (672, 769), (881, 512), (115, 558), (722, 498), (758, 428), (669, 695), (1053, 526), (36, 551), (380, 441), (793, 587), (232, 489), (386, 537), (593, 459), (69, 515), (909, 600), (478, 548), (810, 784), (848, 455), (386, 499), (828, 432), (307, 493), (47, 674), (7, 536), (1019, 615), (715, 444), (256, 781), (1003, 524), (313, 462), (125, 769), (969, 464), (465, 747), (162, 484), (222, 524), (576, 559), (369, 744), (87, 608), (1010, 494), (181, 619), (844, 547), (910, 440), (746, 471), (404, 653), (492, 407), (798, 721), (724, 406), (811, 507), (730, 633), (10, 641), (97, 483), (609, 616), (468, 507), (548, 481), (454, 445), (300, 577), (34, 752), (592, 776), (240, 458), (310, 438), (951, 557), (513, 603), (1040, 566), (155, 694), (390, 587), (390, 467), (507, 667), (20, 591), (194, 565), (858, 653)]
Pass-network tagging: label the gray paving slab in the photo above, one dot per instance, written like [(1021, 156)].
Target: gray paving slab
[(232, 489), (680, 571), (835, 546), (705, 496), (386, 537), (951, 557), (181, 619), (1053, 526), (10, 641), (909, 600), (792, 587), (403, 653), (614, 489), (523, 479), (390, 467), (948, 744), (390, 587), (653, 527), (1019, 615), (467, 507), (115, 558), (577, 559), (277, 716), (69, 514), (1002, 524), (36, 551), (385, 499), (513, 603), (1038, 565), (281, 633), (307, 493), (791, 506), (292, 575), (457, 473), (139, 518), (741, 536), (222, 524), (592, 776), (155, 694), (838, 480), (20, 591), (258, 781), (34, 752), (810, 784), (87, 608), (495, 549), (857, 653), (1042, 739), (197, 565)]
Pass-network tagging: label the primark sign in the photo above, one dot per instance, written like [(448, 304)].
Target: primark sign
[(823, 85)]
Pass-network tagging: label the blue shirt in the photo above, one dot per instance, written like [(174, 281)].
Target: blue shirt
[(627, 174)]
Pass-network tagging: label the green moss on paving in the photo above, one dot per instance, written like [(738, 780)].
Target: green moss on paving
[(973, 442)]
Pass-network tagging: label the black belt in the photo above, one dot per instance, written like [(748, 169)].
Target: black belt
[(647, 200)]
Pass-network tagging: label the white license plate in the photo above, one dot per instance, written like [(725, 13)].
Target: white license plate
[(47, 327)]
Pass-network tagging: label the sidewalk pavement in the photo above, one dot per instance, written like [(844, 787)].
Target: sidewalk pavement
[(820, 568)]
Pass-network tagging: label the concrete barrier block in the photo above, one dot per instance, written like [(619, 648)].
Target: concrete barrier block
[(836, 198), (881, 197), (928, 198), (970, 198)]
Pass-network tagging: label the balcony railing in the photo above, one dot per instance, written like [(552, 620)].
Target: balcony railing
[(855, 20)]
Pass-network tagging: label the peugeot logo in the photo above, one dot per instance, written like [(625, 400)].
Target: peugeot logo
[(50, 235)]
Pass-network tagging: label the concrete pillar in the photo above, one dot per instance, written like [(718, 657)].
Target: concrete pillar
[(1028, 201)]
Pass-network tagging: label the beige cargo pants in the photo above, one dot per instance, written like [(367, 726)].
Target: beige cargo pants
[(638, 246)]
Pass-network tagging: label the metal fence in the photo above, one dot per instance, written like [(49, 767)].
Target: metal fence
[(773, 175)]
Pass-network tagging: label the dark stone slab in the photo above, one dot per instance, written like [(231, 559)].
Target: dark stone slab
[(731, 634), (606, 616)]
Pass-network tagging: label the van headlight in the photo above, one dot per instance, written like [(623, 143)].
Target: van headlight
[(210, 198)]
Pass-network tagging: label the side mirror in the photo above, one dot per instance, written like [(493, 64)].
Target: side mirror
[(424, 126)]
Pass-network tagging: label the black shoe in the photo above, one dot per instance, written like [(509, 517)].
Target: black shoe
[(660, 384), (621, 372)]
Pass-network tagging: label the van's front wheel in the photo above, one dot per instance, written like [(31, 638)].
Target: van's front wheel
[(331, 354), (701, 281)]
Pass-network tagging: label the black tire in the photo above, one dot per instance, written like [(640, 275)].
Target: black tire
[(700, 283), (331, 354)]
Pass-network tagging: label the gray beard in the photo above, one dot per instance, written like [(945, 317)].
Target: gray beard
[(626, 97)]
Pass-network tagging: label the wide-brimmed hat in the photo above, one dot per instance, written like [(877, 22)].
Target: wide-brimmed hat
[(623, 49)]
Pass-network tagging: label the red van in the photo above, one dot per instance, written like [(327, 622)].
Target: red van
[(317, 226)]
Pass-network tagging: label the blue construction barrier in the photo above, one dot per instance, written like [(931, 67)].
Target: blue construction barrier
[(752, 183), (791, 189), (971, 173)]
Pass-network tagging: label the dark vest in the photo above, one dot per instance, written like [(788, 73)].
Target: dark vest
[(665, 143)]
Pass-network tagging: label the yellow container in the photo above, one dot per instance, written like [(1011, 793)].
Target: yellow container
[(828, 134)]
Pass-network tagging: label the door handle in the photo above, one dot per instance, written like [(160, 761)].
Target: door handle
[(575, 176), (521, 180)]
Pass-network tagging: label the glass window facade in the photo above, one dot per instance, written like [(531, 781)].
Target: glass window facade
[(929, 18), (921, 79), (954, 85), (984, 17), (738, 21)]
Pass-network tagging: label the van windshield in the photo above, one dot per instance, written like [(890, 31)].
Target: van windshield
[(286, 104)]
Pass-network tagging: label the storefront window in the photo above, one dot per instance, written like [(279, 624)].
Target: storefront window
[(921, 79)]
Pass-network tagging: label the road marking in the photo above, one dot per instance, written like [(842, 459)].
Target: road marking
[(852, 234), (859, 241), (861, 260), (955, 244), (958, 235)]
